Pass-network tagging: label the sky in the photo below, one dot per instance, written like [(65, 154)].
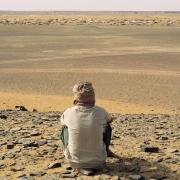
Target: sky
[(91, 5)]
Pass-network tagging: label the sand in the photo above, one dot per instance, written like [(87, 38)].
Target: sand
[(133, 69)]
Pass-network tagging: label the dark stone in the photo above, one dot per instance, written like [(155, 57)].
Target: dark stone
[(136, 177), (37, 173), (20, 108), (10, 146), (54, 165), (2, 166), (68, 168), (164, 138), (2, 116), (150, 149), (30, 144), (34, 110)]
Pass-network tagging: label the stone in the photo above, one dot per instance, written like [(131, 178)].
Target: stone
[(17, 168), (163, 138), (2, 143), (136, 177), (37, 173), (172, 160), (158, 177), (2, 116), (172, 150), (34, 110), (10, 146), (150, 149), (54, 165), (70, 175), (2, 156), (35, 133), (2, 166), (15, 129), (26, 178), (20, 108), (30, 144), (41, 142), (157, 160)]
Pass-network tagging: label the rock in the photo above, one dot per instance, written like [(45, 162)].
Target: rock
[(157, 160), (18, 168), (54, 165), (2, 143), (37, 173), (163, 138), (10, 146), (26, 178), (172, 150), (2, 156), (148, 169), (150, 149), (20, 108), (35, 133), (15, 129), (2, 116), (136, 177), (34, 110), (2, 166), (72, 175), (30, 144), (41, 142), (69, 168), (158, 177), (172, 160)]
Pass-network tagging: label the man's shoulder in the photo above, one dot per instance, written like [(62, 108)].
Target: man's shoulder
[(100, 109), (70, 109)]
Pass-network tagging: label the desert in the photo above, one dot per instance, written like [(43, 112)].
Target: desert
[(133, 60)]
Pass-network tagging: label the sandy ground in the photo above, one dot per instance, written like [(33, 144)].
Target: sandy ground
[(59, 103), (134, 69)]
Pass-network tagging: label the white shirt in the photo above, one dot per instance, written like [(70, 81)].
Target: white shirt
[(86, 148)]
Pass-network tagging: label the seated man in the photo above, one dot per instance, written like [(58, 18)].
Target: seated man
[(86, 131)]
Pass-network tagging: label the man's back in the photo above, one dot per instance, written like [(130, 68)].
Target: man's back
[(85, 127)]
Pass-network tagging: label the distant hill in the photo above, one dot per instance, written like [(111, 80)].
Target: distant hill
[(84, 12)]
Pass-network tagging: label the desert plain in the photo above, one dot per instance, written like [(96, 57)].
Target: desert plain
[(133, 60)]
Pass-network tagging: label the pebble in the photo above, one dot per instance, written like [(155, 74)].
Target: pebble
[(35, 137), (10, 146), (54, 165), (37, 173), (136, 177), (20, 108), (3, 116), (150, 149)]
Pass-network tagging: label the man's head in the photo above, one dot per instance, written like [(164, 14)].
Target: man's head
[(84, 93)]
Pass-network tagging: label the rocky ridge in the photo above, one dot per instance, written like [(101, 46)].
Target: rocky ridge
[(87, 20), (147, 147)]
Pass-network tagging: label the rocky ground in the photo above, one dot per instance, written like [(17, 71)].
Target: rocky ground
[(84, 19), (147, 146)]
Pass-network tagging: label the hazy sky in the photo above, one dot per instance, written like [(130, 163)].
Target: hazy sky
[(134, 5)]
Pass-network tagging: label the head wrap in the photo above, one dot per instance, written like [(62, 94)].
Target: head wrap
[(84, 93)]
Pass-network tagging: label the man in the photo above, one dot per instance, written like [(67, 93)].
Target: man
[(86, 131)]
